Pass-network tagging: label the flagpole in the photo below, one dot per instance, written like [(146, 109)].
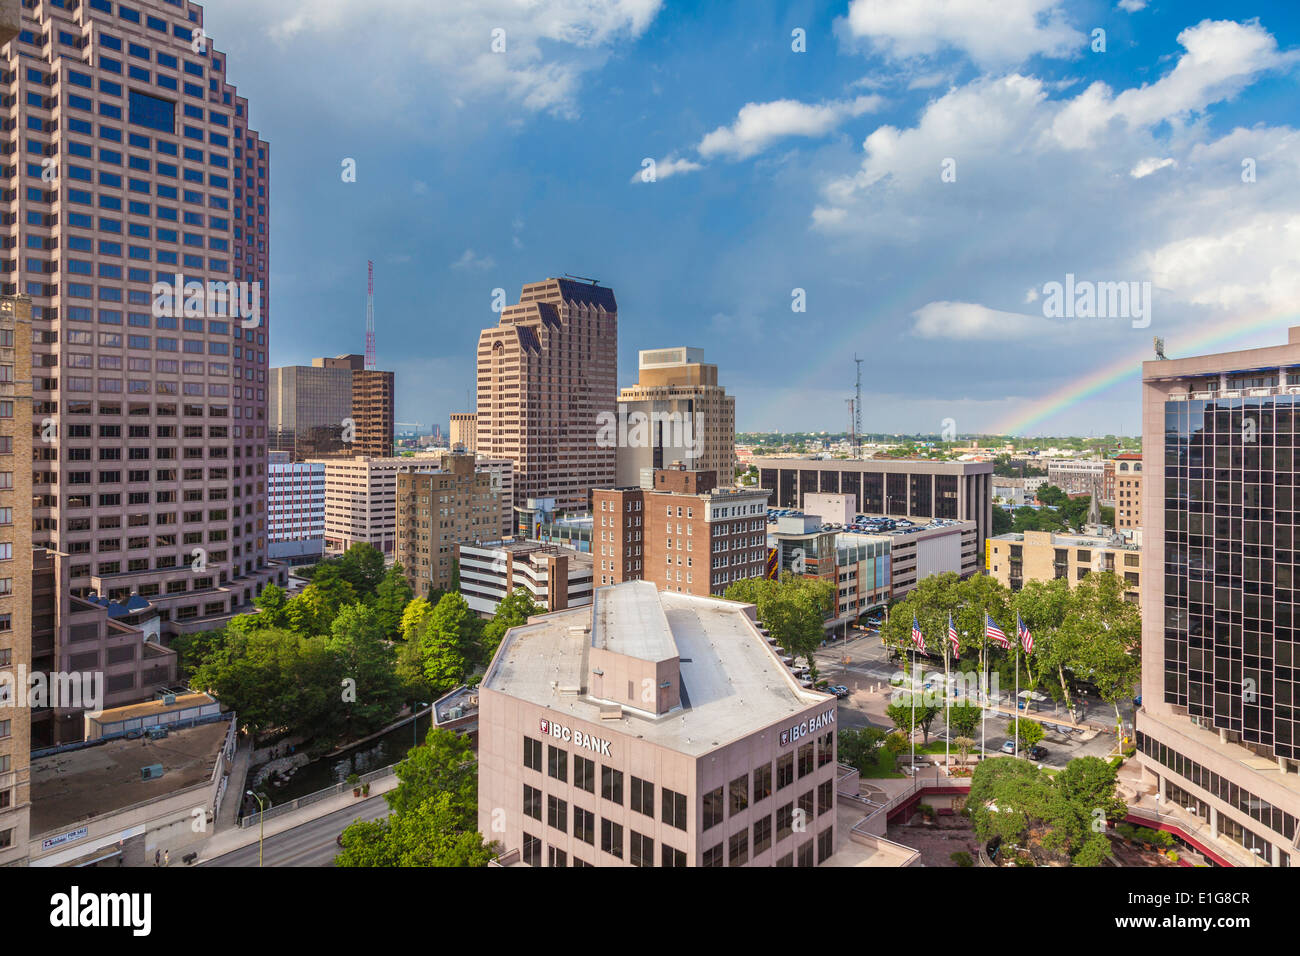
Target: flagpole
[(947, 696), (984, 703), (912, 735), (1017, 701)]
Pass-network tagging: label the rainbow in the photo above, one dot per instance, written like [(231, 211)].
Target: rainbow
[(1203, 339)]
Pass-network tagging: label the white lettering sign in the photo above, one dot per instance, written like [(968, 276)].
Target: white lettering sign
[(575, 737), (810, 726)]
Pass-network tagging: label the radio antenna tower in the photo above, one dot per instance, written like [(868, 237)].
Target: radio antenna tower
[(370, 314), (857, 406)]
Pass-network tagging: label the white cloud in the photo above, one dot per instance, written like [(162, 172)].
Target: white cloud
[(1221, 59), (758, 125), (1132, 6), (969, 320), (470, 260), (1149, 165), (668, 166), (1249, 264), (993, 33), (927, 82), (548, 46)]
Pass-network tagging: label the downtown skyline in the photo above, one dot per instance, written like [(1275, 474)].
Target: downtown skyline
[(786, 171)]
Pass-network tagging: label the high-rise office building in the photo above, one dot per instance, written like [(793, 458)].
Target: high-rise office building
[(675, 412), (335, 406), (15, 572), (464, 432), (438, 510), (140, 221), (1219, 731), (546, 372), (295, 509)]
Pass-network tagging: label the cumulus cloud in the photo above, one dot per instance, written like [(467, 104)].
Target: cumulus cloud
[(993, 33), (970, 320), (663, 168), (1151, 164), (759, 125), (541, 50)]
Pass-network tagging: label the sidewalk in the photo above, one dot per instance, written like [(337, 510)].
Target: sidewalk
[(236, 837), (235, 786)]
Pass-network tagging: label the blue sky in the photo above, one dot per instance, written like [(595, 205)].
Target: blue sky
[(780, 170)]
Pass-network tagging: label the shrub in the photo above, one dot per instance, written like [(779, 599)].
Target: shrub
[(961, 858)]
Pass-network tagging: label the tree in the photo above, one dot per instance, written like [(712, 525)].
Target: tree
[(860, 747), (964, 718), (447, 644), (430, 835), (392, 596), (414, 618), (271, 603), (907, 719), (793, 609), (964, 746), (365, 657), (1030, 732), (362, 566), (514, 610), (445, 764)]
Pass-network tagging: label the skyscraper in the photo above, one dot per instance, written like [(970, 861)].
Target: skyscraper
[(15, 572), (687, 417), (335, 406), (1218, 730), (546, 372), (141, 220)]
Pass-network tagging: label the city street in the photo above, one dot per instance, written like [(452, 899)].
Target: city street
[(869, 671), (311, 844)]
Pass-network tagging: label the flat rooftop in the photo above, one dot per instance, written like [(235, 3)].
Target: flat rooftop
[(93, 781), (733, 682)]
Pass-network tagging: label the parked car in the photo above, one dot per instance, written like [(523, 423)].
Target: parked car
[(1036, 752), (839, 690), (1008, 746)]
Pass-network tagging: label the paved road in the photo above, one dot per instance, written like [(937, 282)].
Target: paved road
[(867, 675), (312, 844)]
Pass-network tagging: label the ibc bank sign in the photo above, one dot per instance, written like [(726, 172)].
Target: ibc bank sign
[(577, 737), (809, 726)]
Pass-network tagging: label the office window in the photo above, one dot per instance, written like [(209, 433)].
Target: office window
[(532, 850), (673, 808), (825, 797), (641, 851), (806, 854), (555, 857), (557, 814), (762, 834), (713, 856), (584, 825), (611, 785), (784, 771), (671, 857), (739, 791), (825, 844), (713, 809), (784, 821), (584, 774), (153, 112), (533, 754), (807, 755), (762, 782), (557, 763), (738, 848), (611, 837), (643, 796), (532, 802)]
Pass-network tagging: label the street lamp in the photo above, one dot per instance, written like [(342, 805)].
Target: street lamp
[(261, 823)]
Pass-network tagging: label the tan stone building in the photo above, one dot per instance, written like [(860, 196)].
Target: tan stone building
[(546, 372), (1128, 491), (1014, 559), (675, 412), (687, 535), (654, 729), (436, 511), (15, 572), (333, 407), (463, 435)]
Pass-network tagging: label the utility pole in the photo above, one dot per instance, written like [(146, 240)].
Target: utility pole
[(857, 406)]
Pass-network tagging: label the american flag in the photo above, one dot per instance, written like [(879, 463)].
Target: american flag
[(917, 638), (952, 637), (1026, 639), (994, 633)]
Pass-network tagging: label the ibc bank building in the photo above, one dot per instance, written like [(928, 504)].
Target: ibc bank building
[(653, 729)]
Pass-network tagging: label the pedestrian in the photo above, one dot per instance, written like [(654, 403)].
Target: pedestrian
[(167, 858), (157, 857)]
